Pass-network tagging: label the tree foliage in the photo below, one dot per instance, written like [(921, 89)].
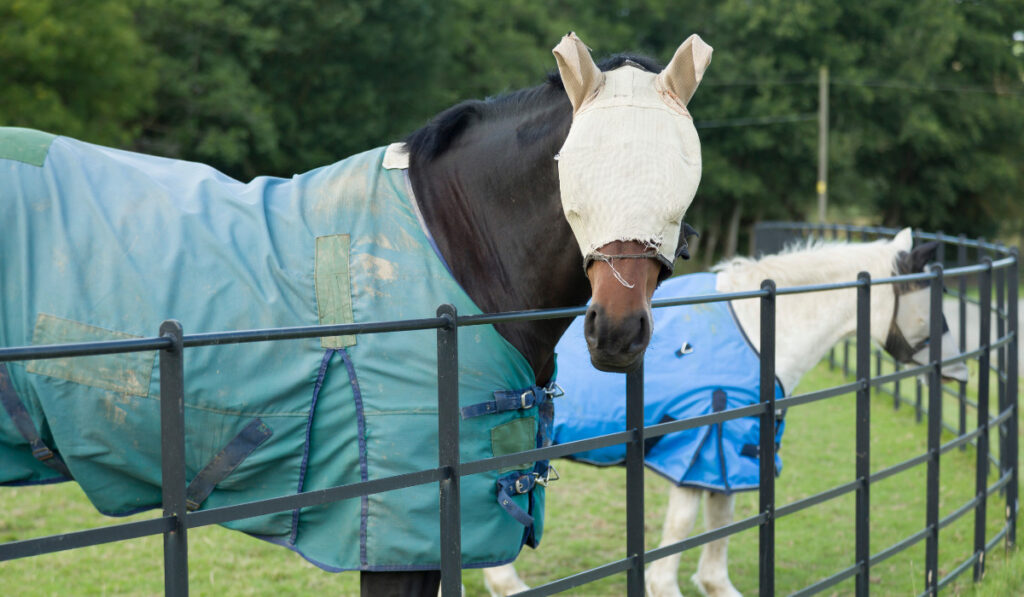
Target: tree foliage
[(77, 68), (927, 98)]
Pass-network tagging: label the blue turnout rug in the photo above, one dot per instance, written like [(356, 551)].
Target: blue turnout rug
[(698, 362), (103, 244)]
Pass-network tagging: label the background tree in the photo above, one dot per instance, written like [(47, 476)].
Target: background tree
[(936, 120), (208, 106), (74, 68), (927, 99)]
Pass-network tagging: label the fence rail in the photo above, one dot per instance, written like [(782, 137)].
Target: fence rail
[(998, 266)]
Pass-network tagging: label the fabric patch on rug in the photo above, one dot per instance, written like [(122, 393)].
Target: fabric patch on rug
[(25, 145)]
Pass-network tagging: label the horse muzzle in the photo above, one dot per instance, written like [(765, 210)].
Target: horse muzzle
[(616, 344), (618, 323), (950, 373)]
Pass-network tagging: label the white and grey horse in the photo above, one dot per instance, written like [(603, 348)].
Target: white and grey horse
[(806, 326)]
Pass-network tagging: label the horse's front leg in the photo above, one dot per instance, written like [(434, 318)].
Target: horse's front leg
[(503, 580), (663, 575), (713, 569)]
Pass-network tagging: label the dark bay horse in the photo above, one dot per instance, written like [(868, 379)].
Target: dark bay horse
[(487, 181), (499, 221), (537, 199)]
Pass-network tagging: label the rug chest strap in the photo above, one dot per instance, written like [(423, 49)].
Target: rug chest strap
[(505, 400), (26, 427), (225, 462)]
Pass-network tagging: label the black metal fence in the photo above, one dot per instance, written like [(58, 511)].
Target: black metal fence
[(994, 261), (995, 267)]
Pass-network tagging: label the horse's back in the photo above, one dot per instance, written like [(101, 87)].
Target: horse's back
[(97, 230)]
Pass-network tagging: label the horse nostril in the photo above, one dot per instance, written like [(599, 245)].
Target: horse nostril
[(590, 326), (642, 336)]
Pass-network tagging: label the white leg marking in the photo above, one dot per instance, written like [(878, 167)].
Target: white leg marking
[(503, 580), (712, 576), (663, 575), (462, 591)]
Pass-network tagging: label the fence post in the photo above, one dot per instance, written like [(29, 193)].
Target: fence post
[(846, 357), (1013, 389), (918, 390), (448, 450), (635, 481), (172, 459), (1001, 398), (846, 341), (961, 261), (766, 545), (832, 349), (878, 367), (863, 460), (931, 564), (896, 397), (981, 470)]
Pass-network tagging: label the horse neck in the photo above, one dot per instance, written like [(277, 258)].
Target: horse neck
[(492, 203), (808, 324)]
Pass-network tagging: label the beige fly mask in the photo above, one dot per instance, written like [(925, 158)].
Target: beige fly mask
[(631, 164)]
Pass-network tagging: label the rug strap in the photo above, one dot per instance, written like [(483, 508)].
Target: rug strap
[(225, 462), (520, 483), (505, 400), (26, 427), (516, 484)]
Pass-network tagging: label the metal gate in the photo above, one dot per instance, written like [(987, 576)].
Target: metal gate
[(995, 266)]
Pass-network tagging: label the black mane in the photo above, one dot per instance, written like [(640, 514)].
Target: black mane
[(438, 135)]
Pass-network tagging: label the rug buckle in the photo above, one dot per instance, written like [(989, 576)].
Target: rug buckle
[(553, 390), (549, 475)]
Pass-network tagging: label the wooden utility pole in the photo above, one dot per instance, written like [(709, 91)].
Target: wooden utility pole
[(822, 186)]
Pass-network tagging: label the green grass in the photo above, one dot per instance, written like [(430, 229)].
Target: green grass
[(221, 562), (818, 451), (584, 527)]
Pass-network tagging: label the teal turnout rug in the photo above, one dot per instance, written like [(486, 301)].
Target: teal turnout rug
[(102, 244)]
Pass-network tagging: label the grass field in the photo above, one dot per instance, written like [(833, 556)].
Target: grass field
[(584, 528)]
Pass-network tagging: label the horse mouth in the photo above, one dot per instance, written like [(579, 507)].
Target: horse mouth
[(618, 363)]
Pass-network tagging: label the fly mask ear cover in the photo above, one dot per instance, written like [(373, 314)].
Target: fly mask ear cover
[(903, 315), (896, 343), (631, 163)]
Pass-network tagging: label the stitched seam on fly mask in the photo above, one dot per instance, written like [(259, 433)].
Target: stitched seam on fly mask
[(671, 99)]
